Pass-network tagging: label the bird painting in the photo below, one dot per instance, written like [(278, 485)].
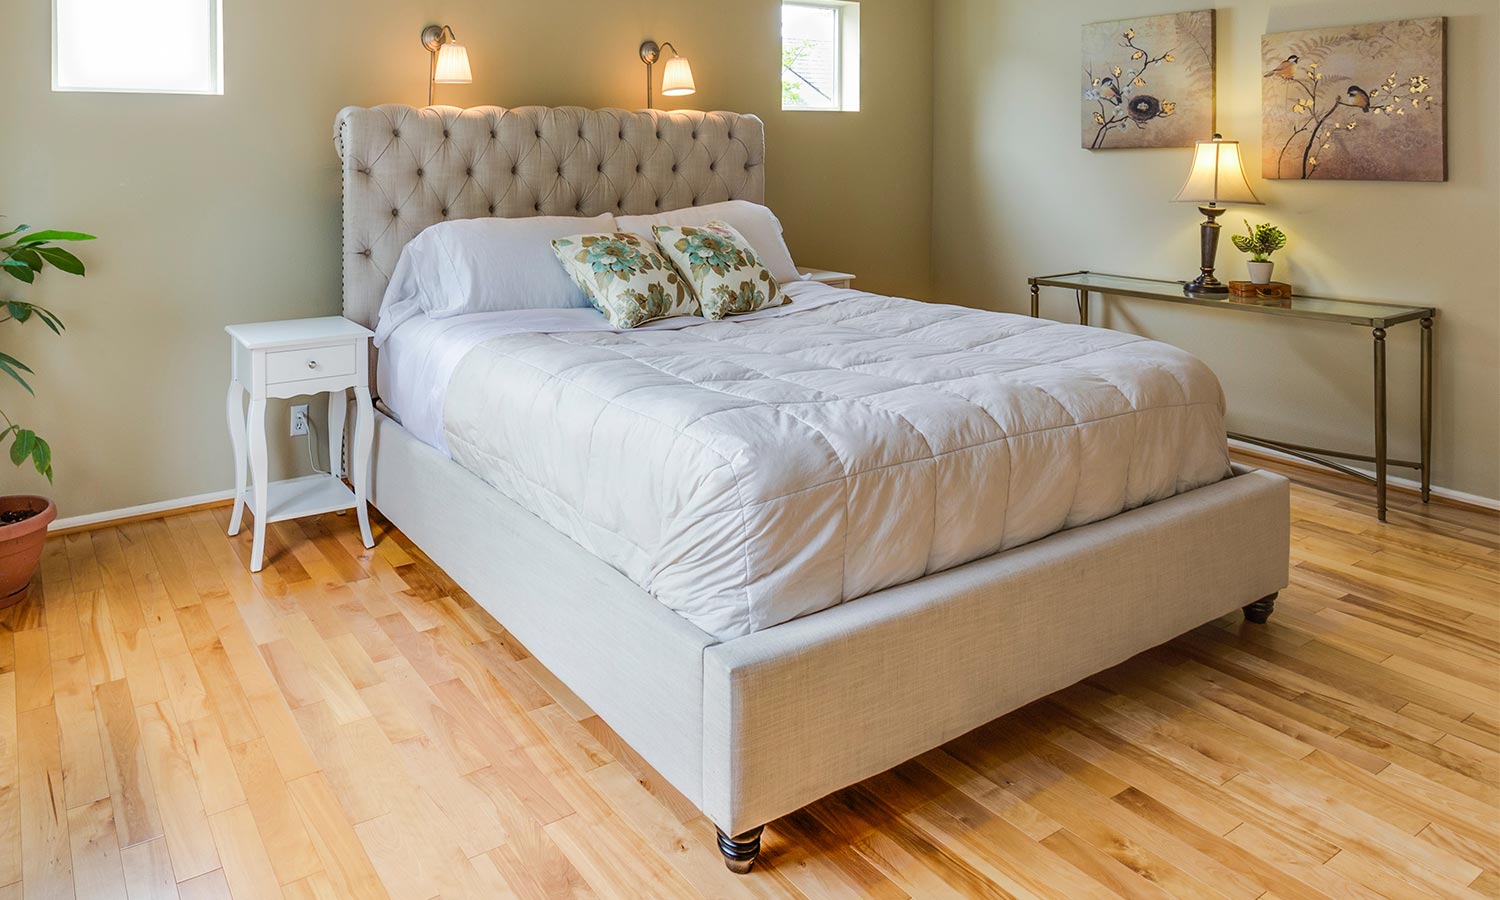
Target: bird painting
[(1361, 103), (1148, 82), (1287, 68), (1109, 90)]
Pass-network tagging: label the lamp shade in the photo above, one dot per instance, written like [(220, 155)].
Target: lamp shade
[(452, 64), (677, 78), (1217, 175)]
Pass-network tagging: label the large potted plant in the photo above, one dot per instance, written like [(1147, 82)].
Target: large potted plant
[(24, 518)]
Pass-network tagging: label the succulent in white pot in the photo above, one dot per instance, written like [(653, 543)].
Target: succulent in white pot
[(1260, 241)]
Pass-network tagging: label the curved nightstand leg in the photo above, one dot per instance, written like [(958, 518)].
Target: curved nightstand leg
[(364, 438), (338, 410), (259, 474), (235, 411)]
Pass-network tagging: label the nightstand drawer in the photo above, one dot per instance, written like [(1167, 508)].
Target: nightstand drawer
[(312, 362)]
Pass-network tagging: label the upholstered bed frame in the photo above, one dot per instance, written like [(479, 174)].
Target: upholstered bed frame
[(756, 727)]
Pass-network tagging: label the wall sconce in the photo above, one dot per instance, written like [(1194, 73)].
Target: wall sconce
[(450, 59), (676, 75)]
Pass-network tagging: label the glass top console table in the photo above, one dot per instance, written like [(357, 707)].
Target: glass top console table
[(1376, 316)]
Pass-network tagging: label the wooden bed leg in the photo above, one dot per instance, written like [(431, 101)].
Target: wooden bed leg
[(1259, 611), (740, 851)]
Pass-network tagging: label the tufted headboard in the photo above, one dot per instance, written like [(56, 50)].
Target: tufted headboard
[(406, 168)]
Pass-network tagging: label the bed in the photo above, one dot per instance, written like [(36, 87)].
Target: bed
[(883, 523)]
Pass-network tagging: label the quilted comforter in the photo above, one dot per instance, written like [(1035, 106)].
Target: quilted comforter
[(747, 473)]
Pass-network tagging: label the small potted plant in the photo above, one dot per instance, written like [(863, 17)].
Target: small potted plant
[(24, 518), (1260, 241)]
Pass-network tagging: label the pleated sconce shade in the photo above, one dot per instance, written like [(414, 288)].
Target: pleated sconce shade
[(677, 78), (1217, 175), (452, 64)]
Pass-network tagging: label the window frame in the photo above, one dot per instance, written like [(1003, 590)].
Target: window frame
[(215, 62), (845, 55)]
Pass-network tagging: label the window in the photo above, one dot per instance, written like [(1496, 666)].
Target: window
[(148, 46), (820, 55)]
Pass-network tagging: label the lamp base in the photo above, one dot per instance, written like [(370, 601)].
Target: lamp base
[(1205, 284)]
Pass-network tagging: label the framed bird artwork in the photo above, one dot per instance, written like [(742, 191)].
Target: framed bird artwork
[(1358, 103), (1148, 81)]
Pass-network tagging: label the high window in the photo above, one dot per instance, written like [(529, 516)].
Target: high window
[(148, 46), (820, 55)]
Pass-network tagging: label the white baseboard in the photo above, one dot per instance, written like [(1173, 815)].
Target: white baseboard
[(145, 509), (1445, 493), (165, 506)]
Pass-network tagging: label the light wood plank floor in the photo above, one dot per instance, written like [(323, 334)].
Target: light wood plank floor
[(349, 724)]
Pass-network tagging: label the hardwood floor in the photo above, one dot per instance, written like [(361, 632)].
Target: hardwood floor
[(349, 723)]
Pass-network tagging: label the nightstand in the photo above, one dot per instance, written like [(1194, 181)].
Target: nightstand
[(328, 355), (837, 279)]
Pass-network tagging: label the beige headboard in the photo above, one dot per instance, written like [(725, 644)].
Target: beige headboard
[(406, 168)]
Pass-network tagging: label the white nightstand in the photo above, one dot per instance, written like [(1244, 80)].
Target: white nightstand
[(837, 279), (288, 359)]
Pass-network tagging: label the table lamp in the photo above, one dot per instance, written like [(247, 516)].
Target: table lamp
[(1217, 175)]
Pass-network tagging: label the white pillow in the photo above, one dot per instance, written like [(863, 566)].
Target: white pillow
[(756, 223), (484, 265)]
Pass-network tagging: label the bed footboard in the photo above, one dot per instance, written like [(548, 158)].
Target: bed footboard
[(798, 711)]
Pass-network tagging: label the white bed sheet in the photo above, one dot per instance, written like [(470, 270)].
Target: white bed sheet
[(419, 355), (752, 471)]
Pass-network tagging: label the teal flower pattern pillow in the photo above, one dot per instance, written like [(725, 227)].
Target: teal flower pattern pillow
[(724, 272), (625, 278)]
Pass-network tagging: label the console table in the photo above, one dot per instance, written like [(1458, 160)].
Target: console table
[(1376, 316)]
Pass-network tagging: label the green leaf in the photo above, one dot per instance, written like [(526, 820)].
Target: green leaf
[(17, 230), (38, 236), (62, 260), (18, 311), (41, 456), (21, 447), (9, 364), (18, 270), (30, 257)]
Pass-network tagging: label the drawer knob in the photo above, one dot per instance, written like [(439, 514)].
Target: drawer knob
[(312, 364)]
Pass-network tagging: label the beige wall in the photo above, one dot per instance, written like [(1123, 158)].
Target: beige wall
[(1015, 196), (224, 209)]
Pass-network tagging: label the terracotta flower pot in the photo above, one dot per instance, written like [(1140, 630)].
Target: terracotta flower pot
[(21, 545)]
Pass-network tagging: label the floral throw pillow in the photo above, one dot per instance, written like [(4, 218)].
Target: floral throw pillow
[(625, 278), (725, 273)]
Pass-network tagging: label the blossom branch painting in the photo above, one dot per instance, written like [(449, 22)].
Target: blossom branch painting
[(1148, 82), (1358, 103)]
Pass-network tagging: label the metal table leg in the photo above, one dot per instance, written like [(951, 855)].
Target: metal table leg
[(1083, 307), (1036, 309), (1426, 409), (1380, 451)]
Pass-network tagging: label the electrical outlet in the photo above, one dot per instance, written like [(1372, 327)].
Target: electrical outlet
[(299, 419)]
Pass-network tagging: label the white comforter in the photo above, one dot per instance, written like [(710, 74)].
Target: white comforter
[(750, 472)]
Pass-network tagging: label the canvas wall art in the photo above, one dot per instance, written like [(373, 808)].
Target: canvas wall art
[(1149, 81), (1364, 102)]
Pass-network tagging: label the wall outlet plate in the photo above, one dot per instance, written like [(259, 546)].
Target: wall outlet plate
[(299, 419)]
